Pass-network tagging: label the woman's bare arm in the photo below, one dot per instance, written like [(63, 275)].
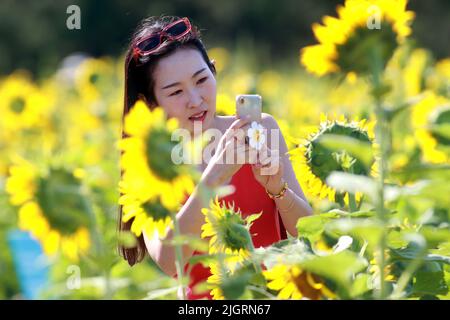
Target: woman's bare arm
[(190, 217), (294, 204), (190, 220)]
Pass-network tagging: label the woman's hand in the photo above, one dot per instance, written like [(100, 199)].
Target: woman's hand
[(218, 171), (268, 170)]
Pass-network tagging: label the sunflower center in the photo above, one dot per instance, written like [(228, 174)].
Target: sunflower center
[(17, 105), (440, 118), (355, 53), (93, 78), (155, 210), (305, 287), (323, 161), (59, 196), (159, 154)]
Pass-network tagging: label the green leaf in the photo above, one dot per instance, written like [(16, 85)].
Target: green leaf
[(395, 239), (360, 285), (429, 280), (412, 251), (440, 198), (442, 129), (204, 259), (346, 182), (193, 242), (311, 227), (356, 148), (338, 213), (127, 239), (252, 218), (339, 267), (435, 236), (442, 249), (234, 286), (422, 171), (366, 229)]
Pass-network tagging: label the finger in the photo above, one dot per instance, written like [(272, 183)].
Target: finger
[(264, 155), (271, 168), (246, 153), (239, 123), (239, 136), (231, 131), (252, 155)]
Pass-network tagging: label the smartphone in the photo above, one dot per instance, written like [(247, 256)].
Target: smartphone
[(249, 104)]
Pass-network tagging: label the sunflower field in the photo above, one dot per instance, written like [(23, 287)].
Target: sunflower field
[(366, 117)]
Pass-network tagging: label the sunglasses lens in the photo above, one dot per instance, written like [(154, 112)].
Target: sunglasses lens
[(177, 29), (149, 43)]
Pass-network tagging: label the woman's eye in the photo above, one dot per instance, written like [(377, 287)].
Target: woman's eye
[(175, 93), (202, 80)]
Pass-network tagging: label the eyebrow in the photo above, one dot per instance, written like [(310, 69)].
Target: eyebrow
[(177, 83)]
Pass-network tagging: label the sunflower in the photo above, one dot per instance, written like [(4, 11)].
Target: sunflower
[(221, 56), (91, 76), (294, 283), (439, 78), (269, 84), (152, 184), (82, 134), (405, 72), (361, 28), (215, 280), (225, 105), (51, 208), (428, 116), (227, 231), (22, 105), (148, 214), (313, 162), (21, 183), (223, 280), (228, 234)]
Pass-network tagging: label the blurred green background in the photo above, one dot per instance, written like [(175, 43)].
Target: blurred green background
[(34, 35)]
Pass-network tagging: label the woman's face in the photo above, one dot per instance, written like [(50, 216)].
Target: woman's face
[(186, 88)]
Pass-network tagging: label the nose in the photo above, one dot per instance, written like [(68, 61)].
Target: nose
[(195, 99)]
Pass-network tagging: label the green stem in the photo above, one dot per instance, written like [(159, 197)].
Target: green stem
[(352, 202), (351, 196), (251, 248), (98, 243), (381, 134), (179, 257)]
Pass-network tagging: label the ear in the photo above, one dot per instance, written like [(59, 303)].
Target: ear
[(213, 61)]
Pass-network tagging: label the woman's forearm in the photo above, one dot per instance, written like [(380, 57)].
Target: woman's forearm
[(291, 208), (190, 219)]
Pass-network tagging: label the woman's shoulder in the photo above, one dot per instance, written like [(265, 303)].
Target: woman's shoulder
[(268, 121)]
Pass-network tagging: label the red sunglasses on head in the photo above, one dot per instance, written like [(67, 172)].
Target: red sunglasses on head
[(173, 31)]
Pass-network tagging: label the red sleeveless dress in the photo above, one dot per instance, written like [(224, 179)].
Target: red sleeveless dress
[(251, 198)]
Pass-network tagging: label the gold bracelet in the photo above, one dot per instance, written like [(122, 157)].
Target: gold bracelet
[(280, 195)]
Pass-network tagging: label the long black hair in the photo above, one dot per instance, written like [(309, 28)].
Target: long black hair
[(139, 84)]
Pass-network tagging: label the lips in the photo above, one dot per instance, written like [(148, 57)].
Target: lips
[(198, 116)]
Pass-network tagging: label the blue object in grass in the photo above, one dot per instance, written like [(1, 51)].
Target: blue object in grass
[(30, 262)]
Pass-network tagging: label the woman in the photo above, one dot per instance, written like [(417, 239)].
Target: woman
[(167, 66)]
